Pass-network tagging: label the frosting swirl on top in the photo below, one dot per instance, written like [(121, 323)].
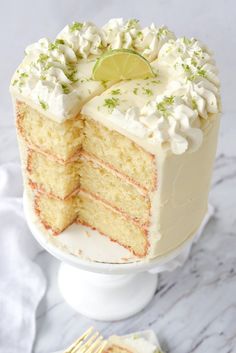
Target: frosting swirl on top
[(167, 119), (84, 38), (47, 75), (118, 33), (150, 40), (193, 74)]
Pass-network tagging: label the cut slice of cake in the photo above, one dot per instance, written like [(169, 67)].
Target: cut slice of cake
[(140, 342), (131, 159)]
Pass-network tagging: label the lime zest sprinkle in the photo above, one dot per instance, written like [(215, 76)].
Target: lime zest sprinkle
[(187, 41), (71, 75), (135, 90), (111, 103), (140, 34), (115, 92), (162, 106), (54, 45), (23, 75), (43, 58), (132, 23), (43, 104), (169, 100), (194, 104), (65, 88), (148, 92), (76, 26), (162, 32), (186, 68), (201, 72)]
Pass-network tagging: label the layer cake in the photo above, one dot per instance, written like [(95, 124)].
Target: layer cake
[(132, 159)]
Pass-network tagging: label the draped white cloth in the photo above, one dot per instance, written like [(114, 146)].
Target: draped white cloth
[(22, 283)]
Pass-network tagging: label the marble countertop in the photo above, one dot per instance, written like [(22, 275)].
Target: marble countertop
[(194, 308)]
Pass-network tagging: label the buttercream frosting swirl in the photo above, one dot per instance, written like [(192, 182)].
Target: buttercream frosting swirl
[(84, 38), (118, 33), (150, 40), (48, 75), (167, 119)]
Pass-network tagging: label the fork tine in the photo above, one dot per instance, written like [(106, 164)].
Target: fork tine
[(100, 348), (90, 344), (95, 345), (73, 348)]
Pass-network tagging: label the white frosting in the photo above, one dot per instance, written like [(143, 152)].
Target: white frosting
[(150, 40), (118, 33), (54, 79), (140, 342), (84, 38), (49, 73), (176, 126), (189, 91)]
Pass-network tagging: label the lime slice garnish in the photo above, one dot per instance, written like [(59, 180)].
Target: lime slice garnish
[(121, 64)]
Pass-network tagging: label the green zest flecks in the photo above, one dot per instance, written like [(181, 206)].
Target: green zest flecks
[(76, 26), (148, 92), (65, 88), (111, 103), (115, 92), (43, 104), (54, 45), (163, 106)]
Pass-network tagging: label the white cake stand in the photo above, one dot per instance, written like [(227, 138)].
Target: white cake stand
[(93, 280)]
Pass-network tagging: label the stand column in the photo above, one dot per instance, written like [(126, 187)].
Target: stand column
[(106, 297)]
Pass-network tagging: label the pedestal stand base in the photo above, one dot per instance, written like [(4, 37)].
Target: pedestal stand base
[(106, 297)]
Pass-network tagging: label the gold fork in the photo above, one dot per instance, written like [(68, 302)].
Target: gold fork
[(89, 342)]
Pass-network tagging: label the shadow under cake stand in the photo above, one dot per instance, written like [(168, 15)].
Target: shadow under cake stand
[(99, 278)]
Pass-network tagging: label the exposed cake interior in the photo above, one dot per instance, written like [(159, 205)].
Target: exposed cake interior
[(105, 185)]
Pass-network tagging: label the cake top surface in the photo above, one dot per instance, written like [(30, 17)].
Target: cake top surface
[(170, 108)]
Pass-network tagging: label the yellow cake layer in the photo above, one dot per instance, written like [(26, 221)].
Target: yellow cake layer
[(120, 152), (118, 192), (53, 177), (113, 224), (56, 214), (60, 140), (60, 180)]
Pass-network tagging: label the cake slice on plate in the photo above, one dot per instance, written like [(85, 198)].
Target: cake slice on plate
[(141, 342)]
